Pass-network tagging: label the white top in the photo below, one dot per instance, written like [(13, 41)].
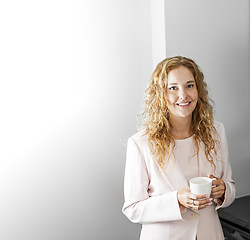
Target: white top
[(185, 155)]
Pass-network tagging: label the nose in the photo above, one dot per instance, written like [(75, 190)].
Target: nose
[(182, 93)]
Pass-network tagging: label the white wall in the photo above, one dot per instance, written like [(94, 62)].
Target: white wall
[(215, 34), (73, 75)]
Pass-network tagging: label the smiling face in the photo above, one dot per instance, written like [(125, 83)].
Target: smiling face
[(181, 93)]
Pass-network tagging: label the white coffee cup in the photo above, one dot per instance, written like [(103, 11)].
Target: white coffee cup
[(201, 185)]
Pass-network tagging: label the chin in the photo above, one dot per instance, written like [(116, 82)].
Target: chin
[(186, 116)]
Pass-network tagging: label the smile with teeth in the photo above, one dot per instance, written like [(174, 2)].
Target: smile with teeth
[(183, 104)]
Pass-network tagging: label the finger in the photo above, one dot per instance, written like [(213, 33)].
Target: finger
[(198, 205), (197, 197), (217, 194), (202, 206), (203, 202), (192, 205), (218, 189), (214, 182), (218, 182)]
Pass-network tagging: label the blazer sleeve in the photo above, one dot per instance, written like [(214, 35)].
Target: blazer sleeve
[(139, 207), (226, 171)]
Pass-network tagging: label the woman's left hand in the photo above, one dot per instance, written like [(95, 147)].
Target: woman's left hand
[(218, 191)]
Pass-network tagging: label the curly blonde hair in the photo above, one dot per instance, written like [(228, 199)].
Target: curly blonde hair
[(156, 117)]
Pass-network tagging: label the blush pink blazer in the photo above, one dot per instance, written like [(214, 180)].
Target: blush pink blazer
[(151, 193)]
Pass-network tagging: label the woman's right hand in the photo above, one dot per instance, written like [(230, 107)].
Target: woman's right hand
[(189, 200)]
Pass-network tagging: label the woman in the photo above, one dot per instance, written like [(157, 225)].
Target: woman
[(180, 141)]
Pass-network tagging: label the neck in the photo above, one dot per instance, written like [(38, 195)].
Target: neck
[(181, 127)]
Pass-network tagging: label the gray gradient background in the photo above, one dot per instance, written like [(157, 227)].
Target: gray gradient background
[(73, 75)]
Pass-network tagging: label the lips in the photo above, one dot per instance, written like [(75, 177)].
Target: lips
[(183, 104)]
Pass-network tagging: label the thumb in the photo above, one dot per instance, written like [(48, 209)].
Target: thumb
[(211, 176)]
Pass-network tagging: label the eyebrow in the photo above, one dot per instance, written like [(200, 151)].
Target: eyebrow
[(177, 83)]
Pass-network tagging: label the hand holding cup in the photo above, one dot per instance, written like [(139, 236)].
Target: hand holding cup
[(189, 200), (219, 188)]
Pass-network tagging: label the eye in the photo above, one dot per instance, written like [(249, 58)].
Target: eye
[(190, 85), (172, 88)]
